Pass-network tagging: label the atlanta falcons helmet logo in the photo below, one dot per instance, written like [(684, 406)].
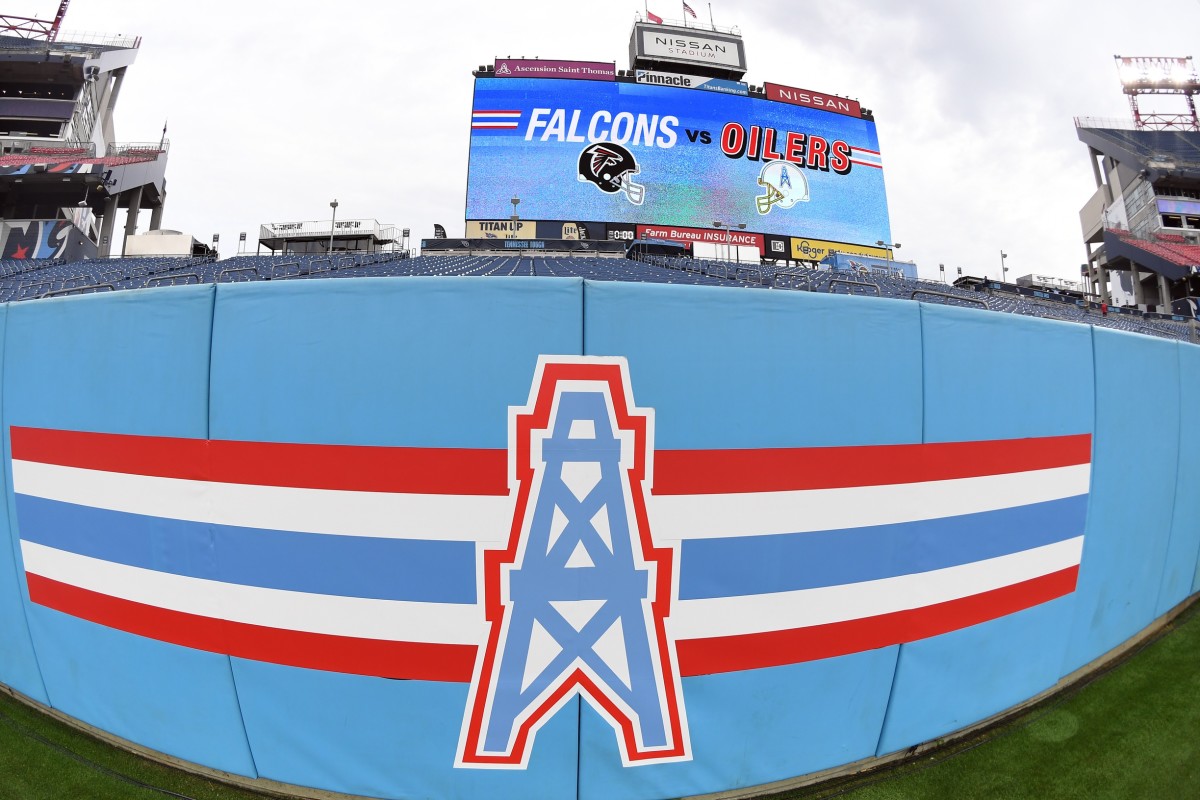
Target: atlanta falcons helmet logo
[(611, 168)]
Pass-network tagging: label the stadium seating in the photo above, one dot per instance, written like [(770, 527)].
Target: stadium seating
[(1169, 247), (29, 280), (112, 161)]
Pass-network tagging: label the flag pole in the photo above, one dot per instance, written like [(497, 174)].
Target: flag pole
[(710, 18), (683, 13)]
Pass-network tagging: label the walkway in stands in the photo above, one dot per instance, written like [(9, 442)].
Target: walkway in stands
[(28, 280)]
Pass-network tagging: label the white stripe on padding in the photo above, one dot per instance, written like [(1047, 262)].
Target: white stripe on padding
[(487, 519), (733, 616), (716, 516), (438, 517), (389, 620)]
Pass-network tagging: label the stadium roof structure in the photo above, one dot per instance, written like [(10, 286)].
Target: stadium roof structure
[(1157, 154)]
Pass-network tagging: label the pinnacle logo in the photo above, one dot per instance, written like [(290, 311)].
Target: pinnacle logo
[(577, 602)]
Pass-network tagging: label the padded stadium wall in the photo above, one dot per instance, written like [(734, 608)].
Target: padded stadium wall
[(437, 363)]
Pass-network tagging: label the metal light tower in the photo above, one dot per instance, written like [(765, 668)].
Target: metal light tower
[(888, 248), (741, 226), (1157, 75), (332, 224), (32, 28)]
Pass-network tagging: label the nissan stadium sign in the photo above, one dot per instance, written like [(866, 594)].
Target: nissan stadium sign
[(660, 43), (692, 82)]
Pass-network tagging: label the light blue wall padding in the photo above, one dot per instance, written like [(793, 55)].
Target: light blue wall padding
[(763, 368), (1004, 376), (1180, 569), (989, 376), (414, 362), (948, 682), (1133, 492), (752, 727), (437, 362), (760, 369), (419, 362), (18, 664), (386, 738), (134, 363)]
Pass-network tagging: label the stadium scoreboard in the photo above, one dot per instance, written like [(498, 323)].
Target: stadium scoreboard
[(668, 157)]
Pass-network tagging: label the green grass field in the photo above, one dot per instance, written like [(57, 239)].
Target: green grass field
[(1130, 732)]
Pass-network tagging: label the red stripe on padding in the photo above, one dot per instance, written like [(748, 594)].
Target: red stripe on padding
[(681, 472), (485, 471), (417, 470), (777, 648), (374, 657), (455, 663)]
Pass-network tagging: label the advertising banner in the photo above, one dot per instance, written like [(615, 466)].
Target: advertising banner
[(540, 68), (804, 97), (817, 249), (664, 155), (501, 229), (706, 235), (778, 247), (689, 46), (1188, 207), (559, 229), (553, 245), (692, 82)]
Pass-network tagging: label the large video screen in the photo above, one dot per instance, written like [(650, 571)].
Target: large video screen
[(641, 153)]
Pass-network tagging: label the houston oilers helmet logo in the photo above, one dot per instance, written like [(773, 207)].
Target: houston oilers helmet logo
[(785, 186), (611, 168), (577, 603)]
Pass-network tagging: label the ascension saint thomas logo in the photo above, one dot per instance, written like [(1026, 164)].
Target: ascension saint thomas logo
[(577, 602)]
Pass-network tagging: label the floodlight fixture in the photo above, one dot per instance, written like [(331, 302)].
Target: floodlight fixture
[(1160, 75)]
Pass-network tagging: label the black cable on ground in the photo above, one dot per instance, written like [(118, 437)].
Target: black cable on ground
[(87, 762)]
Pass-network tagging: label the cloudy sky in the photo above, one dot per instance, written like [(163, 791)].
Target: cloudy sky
[(276, 108)]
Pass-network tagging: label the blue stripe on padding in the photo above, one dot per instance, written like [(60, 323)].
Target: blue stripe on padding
[(788, 562), (353, 566)]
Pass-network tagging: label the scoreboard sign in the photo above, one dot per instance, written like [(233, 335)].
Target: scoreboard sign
[(648, 154)]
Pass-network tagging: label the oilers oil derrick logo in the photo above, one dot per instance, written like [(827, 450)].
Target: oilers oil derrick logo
[(577, 603), (785, 186), (611, 167)]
